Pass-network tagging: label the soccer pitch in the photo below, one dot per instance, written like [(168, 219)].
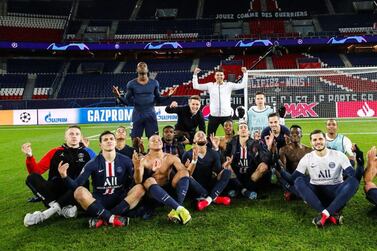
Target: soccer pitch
[(264, 224)]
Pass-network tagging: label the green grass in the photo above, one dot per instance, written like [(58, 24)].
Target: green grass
[(270, 223)]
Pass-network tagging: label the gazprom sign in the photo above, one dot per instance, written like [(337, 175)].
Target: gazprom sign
[(105, 115), (117, 115)]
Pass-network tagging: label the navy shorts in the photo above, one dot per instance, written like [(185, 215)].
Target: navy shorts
[(371, 195), (144, 121), (109, 201)]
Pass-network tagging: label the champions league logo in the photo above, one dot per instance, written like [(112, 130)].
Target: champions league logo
[(165, 45), (25, 117), (80, 46), (264, 42), (358, 39)]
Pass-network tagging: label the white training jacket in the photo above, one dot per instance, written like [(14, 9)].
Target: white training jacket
[(219, 95)]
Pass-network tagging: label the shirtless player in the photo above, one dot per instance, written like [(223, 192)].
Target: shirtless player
[(155, 172), (290, 155)]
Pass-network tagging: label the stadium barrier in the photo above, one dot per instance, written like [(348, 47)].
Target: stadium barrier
[(95, 115)]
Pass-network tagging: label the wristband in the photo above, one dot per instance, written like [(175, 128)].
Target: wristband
[(194, 161)]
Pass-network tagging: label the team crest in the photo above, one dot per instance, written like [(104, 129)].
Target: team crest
[(81, 157), (331, 164), (119, 169)]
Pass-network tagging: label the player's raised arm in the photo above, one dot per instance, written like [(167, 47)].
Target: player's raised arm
[(138, 167), (243, 83), (195, 82), (32, 165)]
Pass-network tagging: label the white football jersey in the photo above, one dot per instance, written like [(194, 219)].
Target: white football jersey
[(326, 170)]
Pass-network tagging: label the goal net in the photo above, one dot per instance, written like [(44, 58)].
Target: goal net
[(317, 93)]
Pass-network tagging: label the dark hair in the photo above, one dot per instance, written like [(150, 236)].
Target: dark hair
[(167, 127), (105, 133), (296, 126), (260, 93), (73, 126), (228, 121), (219, 70), (273, 114), (195, 97), (316, 131)]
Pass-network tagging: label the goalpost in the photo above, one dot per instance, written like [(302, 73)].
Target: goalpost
[(317, 93)]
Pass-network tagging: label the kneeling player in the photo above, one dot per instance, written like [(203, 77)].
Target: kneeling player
[(207, 173), (112, 177), (326, 191), (155, 172), (370, 188)]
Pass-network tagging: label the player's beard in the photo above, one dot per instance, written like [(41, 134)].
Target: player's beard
[(201, 143), (320, 149)]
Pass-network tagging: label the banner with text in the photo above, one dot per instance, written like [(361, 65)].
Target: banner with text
[(363, 109)]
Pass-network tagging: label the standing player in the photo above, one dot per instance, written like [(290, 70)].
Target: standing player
[(370, 188), (326, 191), (112, 178), (53, 192), (143, 92), (189, 117), (290, 156), (155, 172), (207, 173), (220, 97), (258, 114)]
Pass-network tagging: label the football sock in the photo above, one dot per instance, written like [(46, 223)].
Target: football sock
[(162, 196)]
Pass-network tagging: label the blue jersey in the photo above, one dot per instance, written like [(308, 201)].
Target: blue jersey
[(206, 167), (341, 143), (258, 119), (143, 96), (107, 177), (280, 139)]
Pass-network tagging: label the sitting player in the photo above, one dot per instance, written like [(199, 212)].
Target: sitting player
[(249, 160), (170, 143), (326, 191), (290, 156), (112, 178), (370, 188), (341, 143), (53, 192), (121, 146), (206, 172), (155, 172)]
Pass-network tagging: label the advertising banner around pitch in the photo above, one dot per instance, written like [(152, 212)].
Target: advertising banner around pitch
[(117, 115), (6, 117), (57, 116), (363, 109), (25, 117), (105, 115)]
